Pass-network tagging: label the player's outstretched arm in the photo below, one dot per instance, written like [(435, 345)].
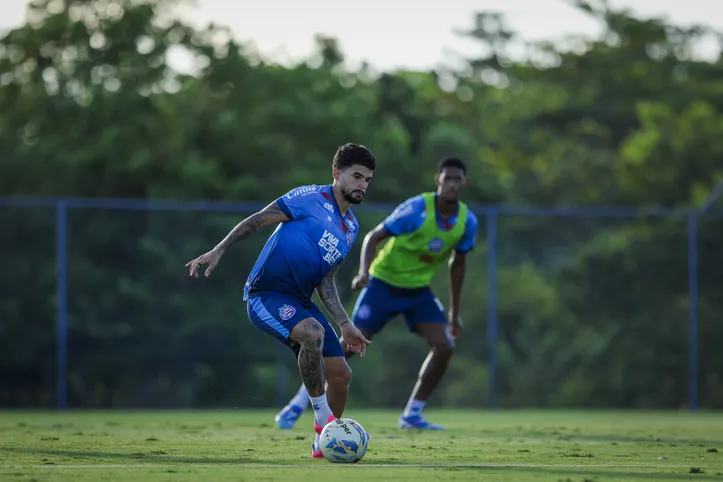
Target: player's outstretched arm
[(329, 296), (268, 216)]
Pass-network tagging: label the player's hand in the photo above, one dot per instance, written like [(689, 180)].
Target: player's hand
[(354, 339), (360, 281), (455, 326), (211, 259)]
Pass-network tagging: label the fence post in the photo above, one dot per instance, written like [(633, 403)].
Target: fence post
[(61, 253), (693, 306), (492, 321)]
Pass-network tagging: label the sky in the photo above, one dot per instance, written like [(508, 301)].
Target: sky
[(405, 34)]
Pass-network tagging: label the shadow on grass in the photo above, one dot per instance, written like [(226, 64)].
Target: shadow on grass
[(580, 437), (595, 473), (151, 457)]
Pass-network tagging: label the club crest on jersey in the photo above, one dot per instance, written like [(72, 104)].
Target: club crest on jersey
[(286, 312), (349, 237), (350, 224), (436, 245)]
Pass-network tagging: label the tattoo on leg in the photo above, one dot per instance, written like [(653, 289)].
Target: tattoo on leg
[(311, 361)]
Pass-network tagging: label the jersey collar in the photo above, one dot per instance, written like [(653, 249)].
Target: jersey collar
[(328, 192)]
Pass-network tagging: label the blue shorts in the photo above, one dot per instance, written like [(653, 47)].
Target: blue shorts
[(277, 314), (379, 302)]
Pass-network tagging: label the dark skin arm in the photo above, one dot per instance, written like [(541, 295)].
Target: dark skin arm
[(368, 253), (457, 270), (269, 216)]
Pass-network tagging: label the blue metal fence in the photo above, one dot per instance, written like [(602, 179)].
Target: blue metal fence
[(491, 214)]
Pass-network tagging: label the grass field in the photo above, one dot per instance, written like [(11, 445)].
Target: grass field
[(245, 445)]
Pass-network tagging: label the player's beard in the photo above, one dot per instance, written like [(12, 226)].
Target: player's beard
[(353, 197)]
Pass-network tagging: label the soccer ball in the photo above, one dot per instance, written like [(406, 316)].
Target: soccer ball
[(343, 441)]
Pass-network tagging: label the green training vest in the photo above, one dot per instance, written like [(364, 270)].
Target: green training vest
[(411, 260)]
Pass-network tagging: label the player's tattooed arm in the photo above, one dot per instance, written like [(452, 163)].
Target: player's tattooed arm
[(329, 296), (268, 216)]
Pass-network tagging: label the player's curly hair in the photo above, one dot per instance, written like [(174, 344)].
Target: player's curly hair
[(352, 154), (452, 162)]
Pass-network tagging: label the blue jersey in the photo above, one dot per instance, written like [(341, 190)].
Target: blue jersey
[(409, 216), (300, 252)]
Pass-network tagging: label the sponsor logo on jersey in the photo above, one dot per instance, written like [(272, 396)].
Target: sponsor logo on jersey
[(329, 243), (300, 191)]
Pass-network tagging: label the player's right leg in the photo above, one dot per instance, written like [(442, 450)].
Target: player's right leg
[(428, 320), (374, 308), (309, 335), (289, 322)]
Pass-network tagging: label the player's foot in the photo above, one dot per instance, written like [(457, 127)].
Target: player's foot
[(287, 417), (318, 428), (417, 422), (316, 452)]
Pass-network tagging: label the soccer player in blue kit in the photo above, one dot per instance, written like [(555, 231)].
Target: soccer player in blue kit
[(316, 229), (423, 233)]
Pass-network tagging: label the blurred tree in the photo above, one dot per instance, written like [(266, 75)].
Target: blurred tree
[(118, 98)]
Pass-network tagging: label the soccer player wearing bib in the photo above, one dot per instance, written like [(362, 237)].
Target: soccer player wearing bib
[(423, 233), (316, 229)]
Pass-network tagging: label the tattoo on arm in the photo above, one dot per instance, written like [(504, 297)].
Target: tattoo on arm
[(329, 296), (311, 360), (271, 214)]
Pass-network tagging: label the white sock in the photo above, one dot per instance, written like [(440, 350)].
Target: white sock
[(414, 407), (301, 399), (316, 443), (322, 412)]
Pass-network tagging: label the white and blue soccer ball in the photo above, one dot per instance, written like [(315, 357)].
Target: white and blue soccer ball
[(343, 441)]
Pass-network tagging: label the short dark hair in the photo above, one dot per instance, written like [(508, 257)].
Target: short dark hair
[(452, 162), (351, 154)]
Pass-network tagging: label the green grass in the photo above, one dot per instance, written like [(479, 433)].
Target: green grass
[(245, 445)]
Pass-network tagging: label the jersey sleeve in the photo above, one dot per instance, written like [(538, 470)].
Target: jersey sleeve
[(469, 238), (298, 202), (406, 218)]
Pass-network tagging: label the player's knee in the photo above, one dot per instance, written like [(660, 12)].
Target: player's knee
[(442, 347), (309, 333), (340, 377)]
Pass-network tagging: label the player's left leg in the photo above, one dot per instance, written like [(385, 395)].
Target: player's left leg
[(373, 310), (427, 319), (337, 375), (338, 380)]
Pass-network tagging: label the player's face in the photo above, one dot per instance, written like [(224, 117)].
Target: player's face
[(450, 183), (353, 182)]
